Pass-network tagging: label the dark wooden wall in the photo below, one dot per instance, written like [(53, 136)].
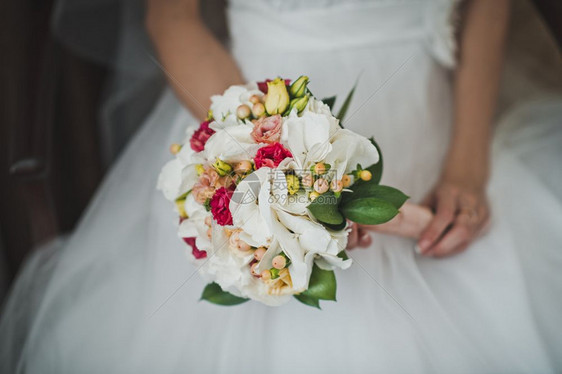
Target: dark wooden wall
[(49, 160)]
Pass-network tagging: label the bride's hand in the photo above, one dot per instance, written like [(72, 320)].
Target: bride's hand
[(461, 214), (358, 237), (409, 223)]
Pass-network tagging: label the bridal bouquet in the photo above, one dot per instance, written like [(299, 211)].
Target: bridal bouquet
[(264, 189)]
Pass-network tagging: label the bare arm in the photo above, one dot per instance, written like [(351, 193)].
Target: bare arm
[(459, 198), (476, 87), (195, 63)]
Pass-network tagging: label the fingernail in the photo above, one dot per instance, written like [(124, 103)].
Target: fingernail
[(424, 244), (417, 249)]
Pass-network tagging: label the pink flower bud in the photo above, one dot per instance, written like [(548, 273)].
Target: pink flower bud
[(253, 269), (266, 275), (258, 110), (254, 99), (279, 262), (243, 111), (258, 254), (321, 185)]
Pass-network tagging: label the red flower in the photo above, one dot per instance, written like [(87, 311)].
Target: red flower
[(267, 129), (200, 136), (271, 155), (220, 206), (262, 86), (197, 253)]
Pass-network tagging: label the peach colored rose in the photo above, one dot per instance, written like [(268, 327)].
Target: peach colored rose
[(267, 129), (201, 192)]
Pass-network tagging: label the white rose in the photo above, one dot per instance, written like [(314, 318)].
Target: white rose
[(231, 144), (224, 106), (319, 107), (348, 150), (250, 206), (308, 137), (195, 225), (175, 179)]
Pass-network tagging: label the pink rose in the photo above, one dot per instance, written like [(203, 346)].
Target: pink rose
[(267, 129), (220, 206), (271, 155), (200, 136), (262, 86), (197, 253)]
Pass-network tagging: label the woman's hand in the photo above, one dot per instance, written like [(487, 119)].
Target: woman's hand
[(461, 214), (358, 237), (409, 223)]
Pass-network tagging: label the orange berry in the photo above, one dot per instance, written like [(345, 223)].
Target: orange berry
[(365, 175)]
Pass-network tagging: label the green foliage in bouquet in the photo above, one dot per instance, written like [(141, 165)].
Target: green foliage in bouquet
[(322, 286), (364, 202), (213, 293)]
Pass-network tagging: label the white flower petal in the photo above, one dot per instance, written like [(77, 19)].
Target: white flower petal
[(175, 179), (247, 214), (350, 149), (232, 144)]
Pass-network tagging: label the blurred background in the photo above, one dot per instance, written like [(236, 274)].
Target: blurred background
[(56, 140)]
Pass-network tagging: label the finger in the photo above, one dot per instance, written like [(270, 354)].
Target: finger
[(353, 237), (458, 237), (365, 239), (446, 207)]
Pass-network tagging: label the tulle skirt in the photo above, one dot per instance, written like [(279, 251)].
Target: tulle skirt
[(119, 295)]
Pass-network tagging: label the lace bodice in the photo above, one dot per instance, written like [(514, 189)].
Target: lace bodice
[(329, 23)]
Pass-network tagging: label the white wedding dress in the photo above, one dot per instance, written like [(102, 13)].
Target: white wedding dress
[(121, 297)]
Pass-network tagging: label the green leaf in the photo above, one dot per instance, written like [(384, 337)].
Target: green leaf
[(307, 300), (343, 255), (325, 209), (213, 293), (322, 284), (386, 193), (376, 169), (329, 101), (369, 211), (338, 227), (347, 102)]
